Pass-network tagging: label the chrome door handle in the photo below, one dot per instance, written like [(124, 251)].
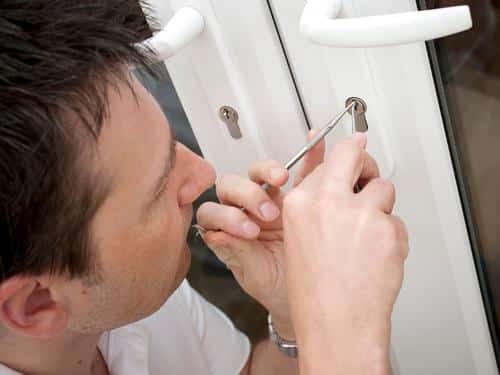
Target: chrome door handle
[(319, 25), (181, 30)]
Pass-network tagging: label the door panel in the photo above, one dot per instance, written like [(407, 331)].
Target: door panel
[(439, 324)]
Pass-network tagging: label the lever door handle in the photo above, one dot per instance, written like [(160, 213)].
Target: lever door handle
[(181, 30), (319, 25)]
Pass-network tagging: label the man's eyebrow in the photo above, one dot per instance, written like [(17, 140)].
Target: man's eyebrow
[(168, 165)]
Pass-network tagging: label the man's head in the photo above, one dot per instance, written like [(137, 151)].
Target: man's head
[(95, 195)]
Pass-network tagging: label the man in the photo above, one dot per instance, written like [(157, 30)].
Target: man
[(95, 199)]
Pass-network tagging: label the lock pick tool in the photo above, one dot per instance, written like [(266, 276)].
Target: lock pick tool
[(318, 137), (304, 150)]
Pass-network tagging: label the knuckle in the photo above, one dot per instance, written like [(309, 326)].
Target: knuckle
[(255, 169), (222, 184), (394, 238), (388, 186), (384, 186), (403, 237), (253, 190), (390, 190)]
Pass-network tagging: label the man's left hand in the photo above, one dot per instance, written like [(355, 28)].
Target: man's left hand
[(250, 241)]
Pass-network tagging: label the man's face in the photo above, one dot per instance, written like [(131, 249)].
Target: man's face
[(139, 233)]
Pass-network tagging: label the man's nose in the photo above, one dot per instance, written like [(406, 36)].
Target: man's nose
[(199, 176)]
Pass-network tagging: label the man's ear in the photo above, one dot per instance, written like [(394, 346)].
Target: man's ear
[(27, 308)]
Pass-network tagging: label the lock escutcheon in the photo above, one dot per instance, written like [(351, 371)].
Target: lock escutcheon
[(230, 117), (359, 110)]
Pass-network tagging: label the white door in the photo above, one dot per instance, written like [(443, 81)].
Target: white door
[(431, 115)]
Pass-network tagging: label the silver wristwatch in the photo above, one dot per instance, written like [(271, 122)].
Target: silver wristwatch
[(288, 348)]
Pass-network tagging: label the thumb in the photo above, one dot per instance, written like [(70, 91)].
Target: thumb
[(234, 252)]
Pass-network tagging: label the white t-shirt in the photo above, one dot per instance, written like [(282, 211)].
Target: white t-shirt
[(187, 336)]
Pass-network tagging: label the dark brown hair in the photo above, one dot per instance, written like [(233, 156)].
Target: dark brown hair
[(58, 59)]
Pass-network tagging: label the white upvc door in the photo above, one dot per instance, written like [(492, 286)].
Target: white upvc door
[(439, 324), (253, 56)]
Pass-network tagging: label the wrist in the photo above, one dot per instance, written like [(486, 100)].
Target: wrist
[(346, 348), (283, 327), (287, 347)]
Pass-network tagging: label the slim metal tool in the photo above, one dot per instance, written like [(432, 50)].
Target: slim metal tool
[(319, 136), (316, 139)]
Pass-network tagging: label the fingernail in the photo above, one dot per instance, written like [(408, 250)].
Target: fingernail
[(275, 173), (269, 210), (250, 228)]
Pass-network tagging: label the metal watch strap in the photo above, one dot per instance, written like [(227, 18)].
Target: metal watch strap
[(288, 348)]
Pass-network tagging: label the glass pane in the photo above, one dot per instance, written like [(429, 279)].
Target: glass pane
[(207, 275), (467, 71)]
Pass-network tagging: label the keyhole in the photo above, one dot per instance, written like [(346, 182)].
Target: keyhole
[(358, 113), (226, 114), (230, 117)]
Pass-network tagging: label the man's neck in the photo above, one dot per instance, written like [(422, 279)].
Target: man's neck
[(67, 354)]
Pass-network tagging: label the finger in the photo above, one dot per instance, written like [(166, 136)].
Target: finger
[(378, 193), (312, 159), (241, 192), (345, 165), (268, 171), (226, 248), (217, 217), (235, 253)]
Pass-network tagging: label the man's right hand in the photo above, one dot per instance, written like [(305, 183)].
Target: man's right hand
[(344, 256)]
